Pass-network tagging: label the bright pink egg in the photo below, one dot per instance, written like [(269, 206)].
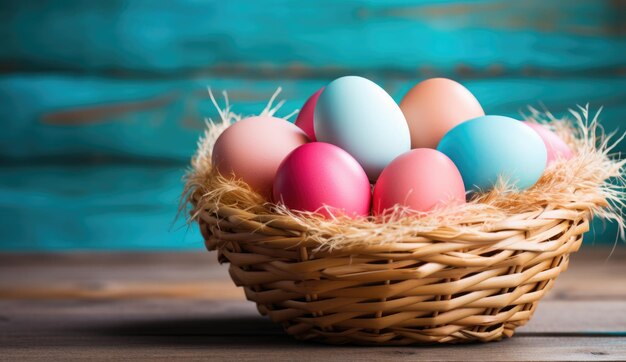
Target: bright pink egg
[(556, 147), (420, 180), (305, 116), (323, 178), (253, 148)]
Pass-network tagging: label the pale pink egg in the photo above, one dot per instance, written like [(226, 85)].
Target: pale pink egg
[(556, 147), (420, 180), (253, 148), (435, 106), (323, 178), (305, 116)]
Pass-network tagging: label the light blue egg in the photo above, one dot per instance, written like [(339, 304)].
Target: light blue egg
[(357, 115), (487, 147)]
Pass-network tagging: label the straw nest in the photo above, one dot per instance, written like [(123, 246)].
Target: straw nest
[(468, 273)]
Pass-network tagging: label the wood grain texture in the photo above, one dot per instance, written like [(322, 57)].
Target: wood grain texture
[(96, 205), (101, 205), (583, 318), (85, 85), (104, 275), (121, 36), (82, 116), (255, 348)]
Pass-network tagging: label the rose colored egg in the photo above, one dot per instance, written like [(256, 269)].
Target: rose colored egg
[(435, 106), (253, 148), (556, 147), (323, 178), (305, 116), (421, 180)]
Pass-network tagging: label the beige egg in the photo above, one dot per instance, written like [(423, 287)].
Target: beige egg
[(253, 148), (435, 106)]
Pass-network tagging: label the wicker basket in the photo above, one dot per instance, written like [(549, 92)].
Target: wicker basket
[(477, 279), (438, 287)]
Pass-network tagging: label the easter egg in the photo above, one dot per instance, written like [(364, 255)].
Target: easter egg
[(323, 178), (420, 180), (253, 148), (556, 147), (305, 116), (360, 117), (435, 106), (489, 147)]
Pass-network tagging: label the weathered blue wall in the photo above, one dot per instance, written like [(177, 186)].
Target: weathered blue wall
[(101, 102)]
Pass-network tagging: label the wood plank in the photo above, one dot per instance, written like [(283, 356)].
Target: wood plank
[(569, 325), (93, 206), (197, 275), (56, 115), (224, 314), (403, 36), (111, 206), (34, 329), (271, 348)]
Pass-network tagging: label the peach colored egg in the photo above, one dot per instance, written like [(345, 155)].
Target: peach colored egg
[(305, 116), (556, 147), (253, 148), (420, 180), (320, 177), (435, 106)]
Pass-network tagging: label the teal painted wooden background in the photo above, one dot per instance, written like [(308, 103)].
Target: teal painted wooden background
[(101, 102)]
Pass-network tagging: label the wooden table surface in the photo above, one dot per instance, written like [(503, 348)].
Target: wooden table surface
[(176, 305)]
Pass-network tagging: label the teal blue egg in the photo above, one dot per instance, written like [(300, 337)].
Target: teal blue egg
[(488, 147), (357, 115)]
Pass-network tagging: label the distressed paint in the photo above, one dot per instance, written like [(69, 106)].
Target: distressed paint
[(94, 206), (101, 103), (110, 206), (182, 36), (48, 115)]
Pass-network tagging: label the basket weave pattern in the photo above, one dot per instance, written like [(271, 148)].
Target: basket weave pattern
[(441, 286)]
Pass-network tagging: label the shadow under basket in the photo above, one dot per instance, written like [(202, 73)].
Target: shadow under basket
[(437, 287)]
